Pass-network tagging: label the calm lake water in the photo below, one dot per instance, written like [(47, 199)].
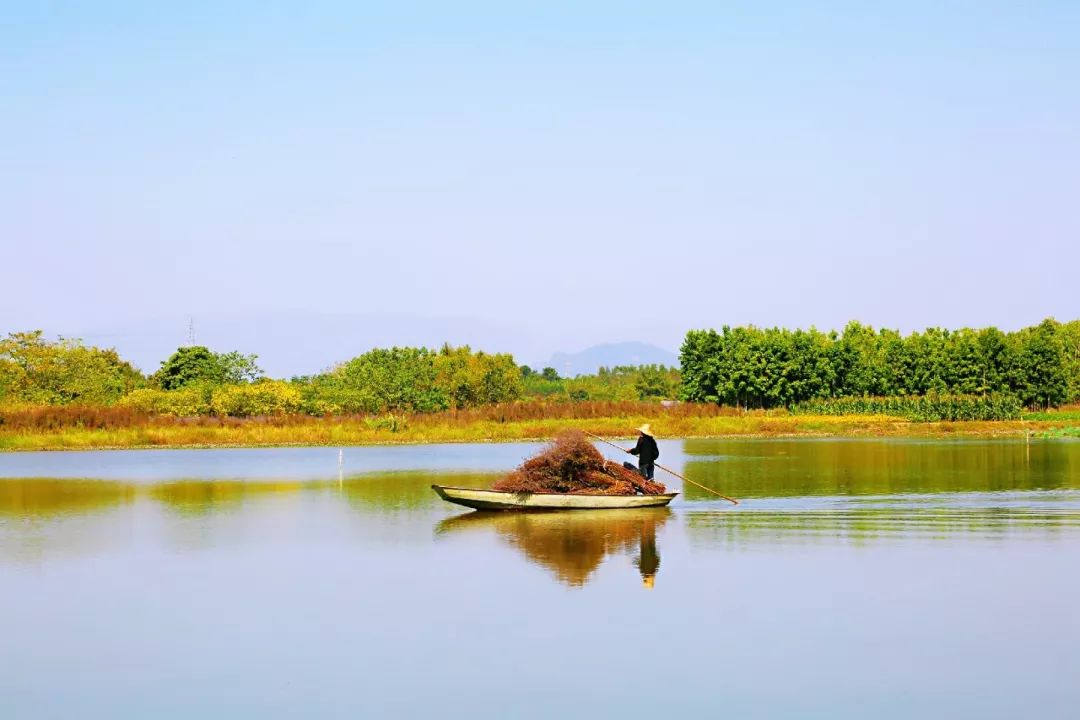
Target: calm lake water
[(858, 578)]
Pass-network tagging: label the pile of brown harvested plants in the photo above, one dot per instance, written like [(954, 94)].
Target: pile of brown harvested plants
[(572, 465)]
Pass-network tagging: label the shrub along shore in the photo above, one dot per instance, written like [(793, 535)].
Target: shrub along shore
[(92, 428)]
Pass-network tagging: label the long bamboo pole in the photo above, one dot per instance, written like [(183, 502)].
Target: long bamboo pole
[(733, 501)]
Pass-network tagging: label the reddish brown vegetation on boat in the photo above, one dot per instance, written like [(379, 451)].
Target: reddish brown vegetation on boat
[(573, 466)]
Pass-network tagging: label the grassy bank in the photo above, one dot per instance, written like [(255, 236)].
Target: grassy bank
[(86, 430)]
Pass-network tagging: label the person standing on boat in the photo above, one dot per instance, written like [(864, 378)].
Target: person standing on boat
[(647, 452)]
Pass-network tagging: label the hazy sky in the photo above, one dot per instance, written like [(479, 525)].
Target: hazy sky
[(564, 172)]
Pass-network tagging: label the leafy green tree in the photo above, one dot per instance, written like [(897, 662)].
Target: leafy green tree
[(1042, 361), (189, 365), (197, 364), (238, 368), (995, 359), (536, 385), (579, 394), (1070, 347), (860, 363), (699, 357), (607, 384), (329, 393), (927, 367), (655, 382), (394, 379)]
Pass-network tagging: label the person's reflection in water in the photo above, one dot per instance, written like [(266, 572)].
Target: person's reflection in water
[(648, 560), (573, 544)]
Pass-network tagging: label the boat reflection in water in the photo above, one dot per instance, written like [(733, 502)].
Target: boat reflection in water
[(573, 544)]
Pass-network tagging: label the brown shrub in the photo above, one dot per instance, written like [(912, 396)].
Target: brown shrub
[(573, 410), (56, 417)]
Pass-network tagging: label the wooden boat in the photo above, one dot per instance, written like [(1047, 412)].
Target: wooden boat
[(495, 500)]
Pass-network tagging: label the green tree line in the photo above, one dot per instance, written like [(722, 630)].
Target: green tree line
[(198, 381), (622, 382), (775, 367), (746, 366), (195, 380)]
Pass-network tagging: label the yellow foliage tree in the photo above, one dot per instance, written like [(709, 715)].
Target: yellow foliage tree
[(470, 379), (35, 370), (185, 402), (269, 397)]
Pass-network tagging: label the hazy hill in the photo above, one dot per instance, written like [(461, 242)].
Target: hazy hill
[(591, 359), (296, 342)]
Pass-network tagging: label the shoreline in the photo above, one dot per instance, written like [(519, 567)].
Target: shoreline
[(333, 433)]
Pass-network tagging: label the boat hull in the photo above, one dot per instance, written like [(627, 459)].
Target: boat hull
[(495, 500)]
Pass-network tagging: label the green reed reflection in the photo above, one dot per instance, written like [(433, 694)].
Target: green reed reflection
[(405, 490), (386, 492), (790, 468)]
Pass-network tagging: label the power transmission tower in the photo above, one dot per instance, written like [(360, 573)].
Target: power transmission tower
[(191, 331)]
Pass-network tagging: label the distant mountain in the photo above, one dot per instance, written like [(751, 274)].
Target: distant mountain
[(591, 359), (299, 342)]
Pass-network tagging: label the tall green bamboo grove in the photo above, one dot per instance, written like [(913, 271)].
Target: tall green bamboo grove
[(776, 367)]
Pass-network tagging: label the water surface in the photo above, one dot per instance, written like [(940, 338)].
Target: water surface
[(880, 578)]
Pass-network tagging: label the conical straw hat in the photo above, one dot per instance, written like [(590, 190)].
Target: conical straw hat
[(645, 429)]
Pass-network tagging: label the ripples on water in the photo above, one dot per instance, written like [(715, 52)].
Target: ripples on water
[(973, 516)]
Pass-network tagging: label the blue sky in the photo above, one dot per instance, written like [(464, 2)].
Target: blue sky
[(555, 174)]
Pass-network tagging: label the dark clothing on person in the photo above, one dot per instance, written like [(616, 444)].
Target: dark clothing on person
[(647, 453), (646, 449), (646, 471)]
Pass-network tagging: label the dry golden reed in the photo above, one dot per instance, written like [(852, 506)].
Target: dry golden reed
[(571, 464)]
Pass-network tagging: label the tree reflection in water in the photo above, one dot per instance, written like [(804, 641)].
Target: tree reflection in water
[(573, 544), (26, 498)]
